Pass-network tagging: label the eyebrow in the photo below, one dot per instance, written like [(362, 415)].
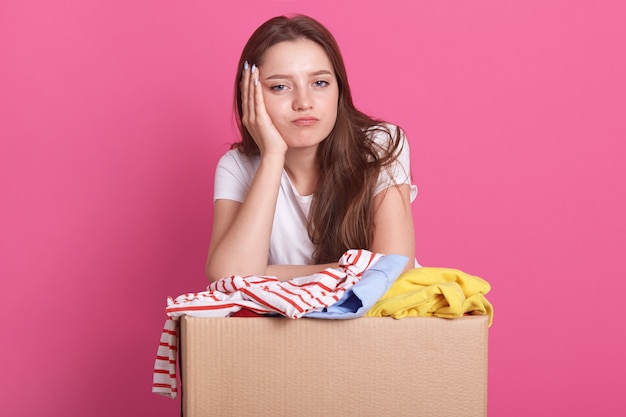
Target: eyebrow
[(285, 76)]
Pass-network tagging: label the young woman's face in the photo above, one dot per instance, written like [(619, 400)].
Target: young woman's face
[(300, 91)]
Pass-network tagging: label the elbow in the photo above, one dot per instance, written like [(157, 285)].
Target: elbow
[(215, 272), (217, 268), (409, 265), (211, 274), (212, 277)]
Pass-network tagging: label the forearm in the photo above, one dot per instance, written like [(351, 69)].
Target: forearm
[(285, 272), (242, 247), (393, 224)]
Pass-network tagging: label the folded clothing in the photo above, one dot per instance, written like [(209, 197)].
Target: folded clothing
[(438, 292)]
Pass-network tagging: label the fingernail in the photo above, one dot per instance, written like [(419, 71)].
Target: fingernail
[(245, 65), (253, 68)]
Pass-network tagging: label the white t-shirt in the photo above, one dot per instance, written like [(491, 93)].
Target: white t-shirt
[(290, 243)]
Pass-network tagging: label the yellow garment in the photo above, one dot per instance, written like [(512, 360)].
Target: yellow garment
[(439, 292)]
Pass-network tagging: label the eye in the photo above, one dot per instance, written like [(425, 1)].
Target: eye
[(320, 83), (278, 87)]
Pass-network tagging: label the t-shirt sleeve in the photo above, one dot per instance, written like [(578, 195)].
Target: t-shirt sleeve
[(399, 171), (233, 176)]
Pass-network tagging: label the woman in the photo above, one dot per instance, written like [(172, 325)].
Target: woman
[(312, 176)]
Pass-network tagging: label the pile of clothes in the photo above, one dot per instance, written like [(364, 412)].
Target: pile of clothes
[(365, 284)]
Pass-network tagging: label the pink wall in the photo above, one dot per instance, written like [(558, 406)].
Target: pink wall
[(113, 114)]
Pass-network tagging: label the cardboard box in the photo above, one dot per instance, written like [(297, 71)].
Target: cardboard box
[(364, 367)]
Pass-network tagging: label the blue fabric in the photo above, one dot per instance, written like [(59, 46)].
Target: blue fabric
[(359, 299)]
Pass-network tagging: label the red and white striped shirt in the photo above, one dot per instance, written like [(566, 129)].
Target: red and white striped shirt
[(264, 295)]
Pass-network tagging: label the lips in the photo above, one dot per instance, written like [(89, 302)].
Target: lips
[(305, 121)]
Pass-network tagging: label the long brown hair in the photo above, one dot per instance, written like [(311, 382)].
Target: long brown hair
[(349, 160)]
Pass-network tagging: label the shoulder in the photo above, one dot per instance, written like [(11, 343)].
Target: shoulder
[(385, 129), (235, 157), (392, 144), (233, 175), (389, 138), (384, 133), (235, 162)]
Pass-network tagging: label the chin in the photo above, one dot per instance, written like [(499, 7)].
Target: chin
[(299, 140)]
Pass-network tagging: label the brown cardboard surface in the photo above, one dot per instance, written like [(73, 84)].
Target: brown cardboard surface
[(311, 367)]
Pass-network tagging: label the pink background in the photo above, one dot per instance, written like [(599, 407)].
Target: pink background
[(113, 115)]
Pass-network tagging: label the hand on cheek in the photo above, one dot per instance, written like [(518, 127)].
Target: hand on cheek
[(255, 117)]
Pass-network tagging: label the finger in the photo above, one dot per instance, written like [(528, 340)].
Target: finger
[(259, 102), (252, 97), (245, 93)]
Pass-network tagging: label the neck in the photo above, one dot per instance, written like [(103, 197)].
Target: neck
[(301, 166)]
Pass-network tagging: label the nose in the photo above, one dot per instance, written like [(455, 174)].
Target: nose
[(302, 100)]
